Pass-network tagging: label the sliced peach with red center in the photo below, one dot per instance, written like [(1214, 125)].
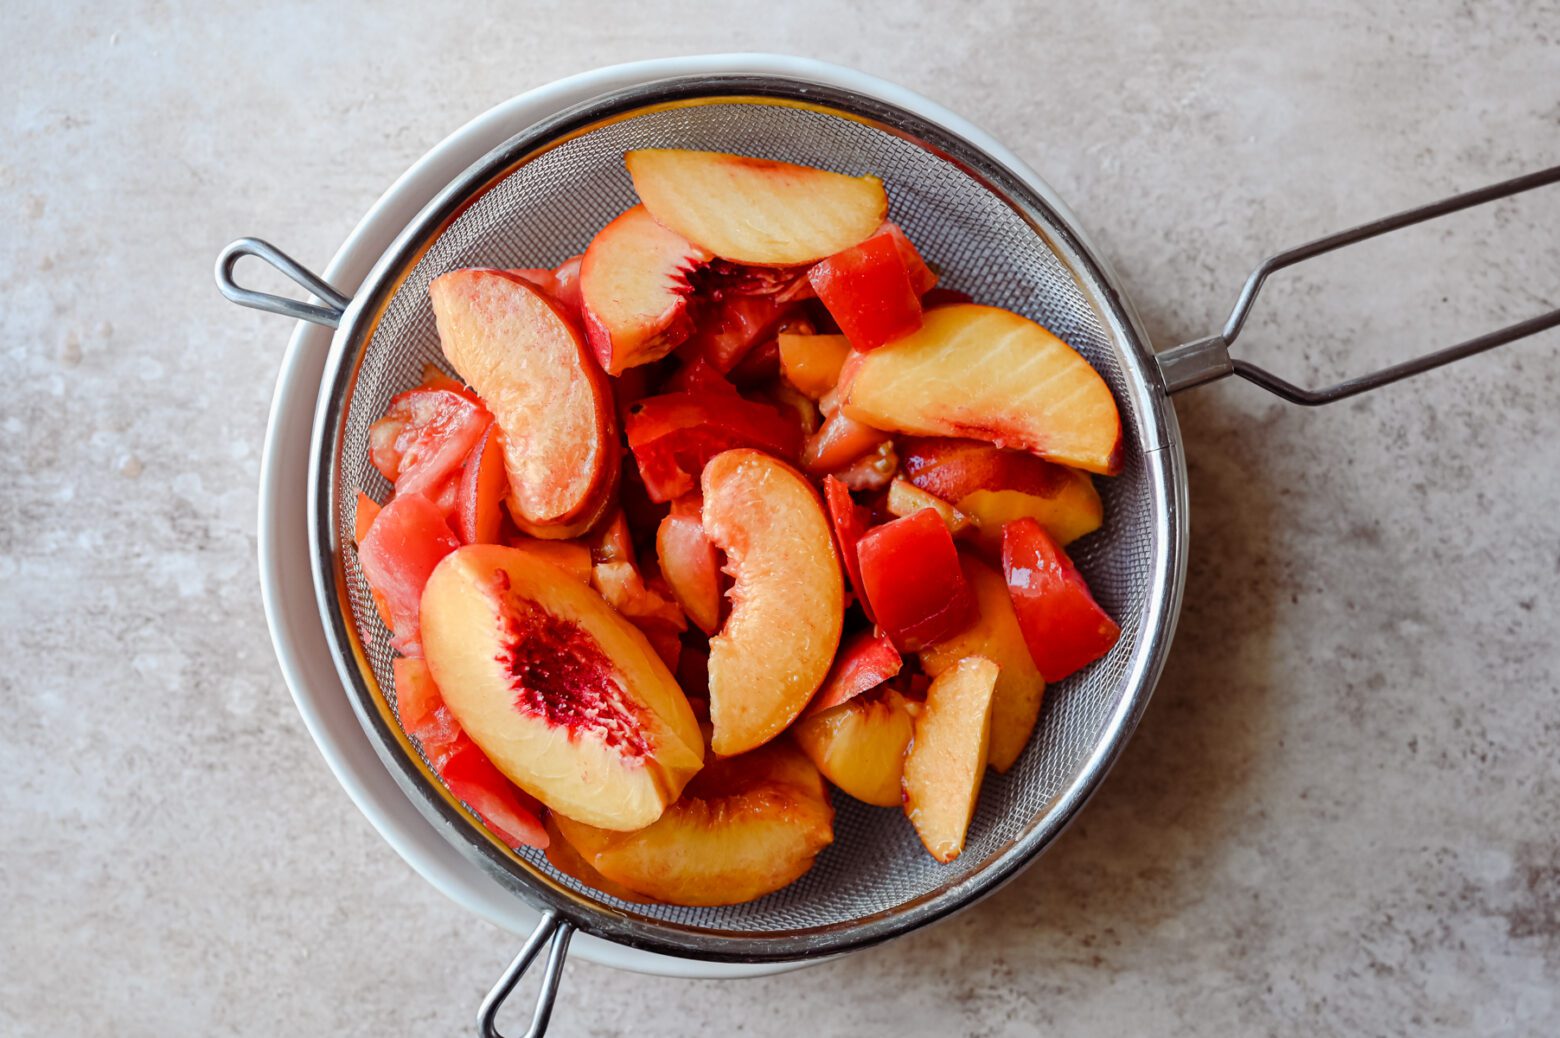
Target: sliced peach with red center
[(756, 211), (745, 827), (515, 346), (780, 554), (997, 636), (989, 374), (860, 744), (634, 288), (947, 756), (564, 695)]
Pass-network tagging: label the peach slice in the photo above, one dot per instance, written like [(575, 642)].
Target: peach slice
[(572, 557), (522, 354), (745, 827), (860, 745), (906, 498), (1015, 705), (690, 564), (566, 697), (812, 363), (634, 287), (947, 756), (563, 857), (770, 523), (756, 211), (989, 374)]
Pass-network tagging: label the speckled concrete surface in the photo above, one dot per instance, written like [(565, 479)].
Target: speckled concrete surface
[(1342, 813)]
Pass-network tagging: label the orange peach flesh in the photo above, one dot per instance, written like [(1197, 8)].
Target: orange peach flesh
[(745, 827), (860, 745), (1015, 705), (780, 553), (567, 698), (984, 373), (570, 862), (947, 756), (756, 211), (552, 405)]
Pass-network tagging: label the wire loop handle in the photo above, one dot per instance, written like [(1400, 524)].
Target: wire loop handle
[(551, 931), (1207, 360), (328, 315)]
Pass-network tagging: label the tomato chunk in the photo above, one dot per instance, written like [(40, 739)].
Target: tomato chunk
[(474, 779), (731, 327), (424, 437), (363, 517), (421, 710), (922, 279), (864, 663), (675, 434), (910, 572), (1063, 626), (850, 522), (838, 442), (867, 291), (697, 375), (406, 541), (479, 509)]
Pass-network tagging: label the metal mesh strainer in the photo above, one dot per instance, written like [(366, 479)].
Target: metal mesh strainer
[(538, 199)]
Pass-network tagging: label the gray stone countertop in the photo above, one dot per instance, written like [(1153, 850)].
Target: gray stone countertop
[(1341, 814)]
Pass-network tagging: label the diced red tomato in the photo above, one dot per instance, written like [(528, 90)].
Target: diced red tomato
[(473, 778), (674, 435), (723, 278), (424, 436), (911, 575), (1063, 626), (421, 710), (922, 279), (397, 555), (850, 521), (838, 442), (696, 375), (729, 328), (479, 510), (363, 517), (760, 365), (863, 663), (868, 293)]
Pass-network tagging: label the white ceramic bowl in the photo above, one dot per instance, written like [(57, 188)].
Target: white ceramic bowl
[(291, 608)]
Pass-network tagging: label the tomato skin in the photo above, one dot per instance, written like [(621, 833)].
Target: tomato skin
[(674, 435), (1063, 626), (922, 278), (727, 329), (424, 436), (363, 518), (472, 777), (407, 540), (863, 663), (850, 522), (421, 710), (867, 291), (911, 574)]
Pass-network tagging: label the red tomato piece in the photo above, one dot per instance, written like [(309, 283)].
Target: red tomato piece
[(424, 437), (479, 509), (911, 575), (675, 434), (727, 329), (696, 375), (473, 778), (864, 663), (1063, 626), (400, 550), (850, 521), (723, 278), (922, 279), (363, 517), (421, 710), (867, 291)]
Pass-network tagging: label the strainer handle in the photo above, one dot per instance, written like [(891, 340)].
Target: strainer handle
[(1208, 360), (328, 315), (553, 932)]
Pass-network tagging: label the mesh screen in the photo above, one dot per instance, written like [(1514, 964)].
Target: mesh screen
[(548, 210)]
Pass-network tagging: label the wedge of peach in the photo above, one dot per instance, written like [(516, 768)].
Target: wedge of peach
[(515, 346), (690, 564), (565, 696), (860, 744), (780, 554), (947, 756), (995, 486), (812, 363), (1015, 705), (573, 557), (989, 374), (756, 211), (634, 289), (745, 827), (906, 498), (570, 862)]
